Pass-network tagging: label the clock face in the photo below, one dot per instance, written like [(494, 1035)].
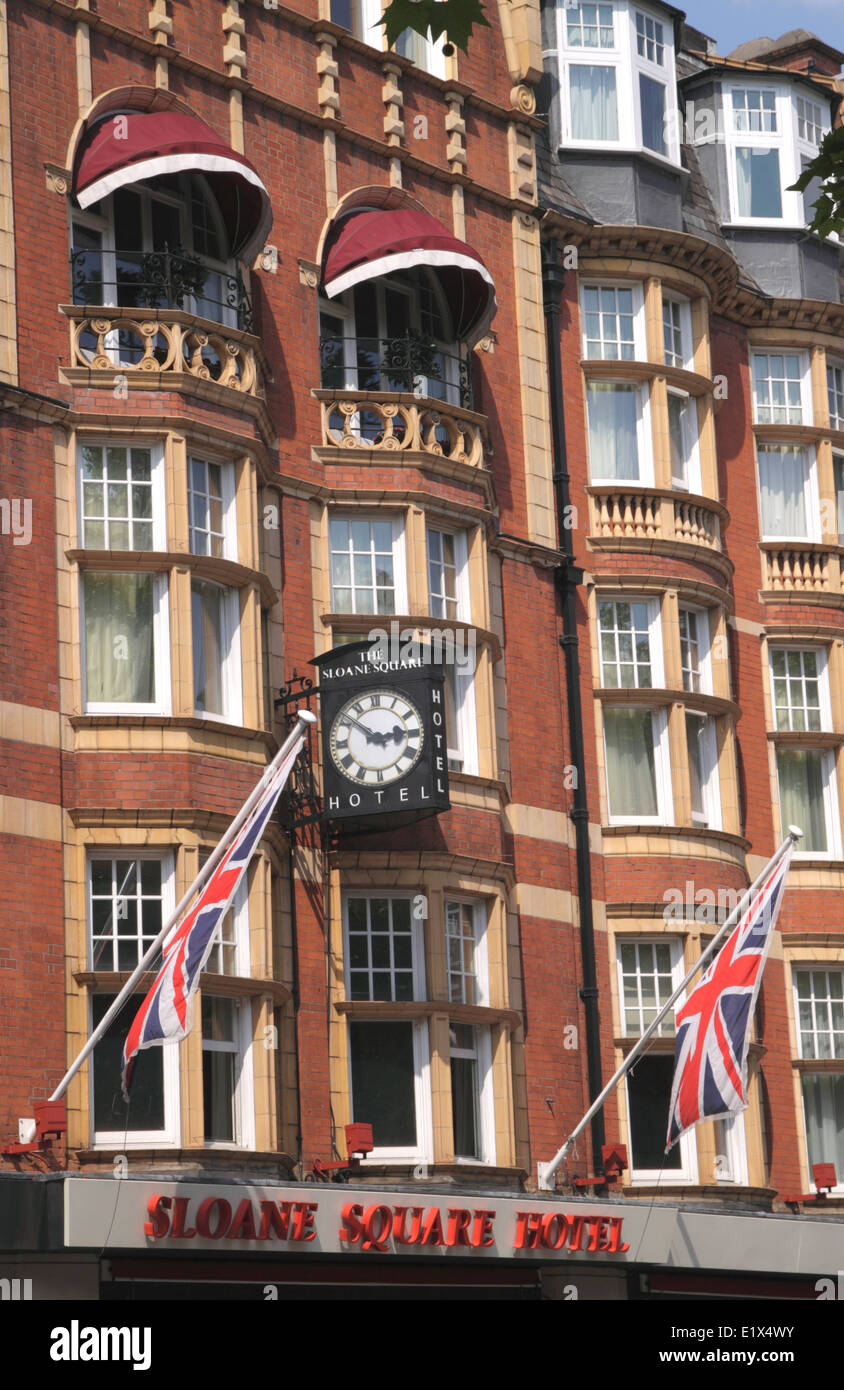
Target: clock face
[(376, 737)]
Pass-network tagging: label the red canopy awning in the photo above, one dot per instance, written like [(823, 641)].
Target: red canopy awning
[(369, 243), (126, 147)]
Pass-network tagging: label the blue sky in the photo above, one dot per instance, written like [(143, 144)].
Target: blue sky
[(731, 22)]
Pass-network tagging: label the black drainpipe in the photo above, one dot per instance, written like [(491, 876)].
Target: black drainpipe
[(568, 579)]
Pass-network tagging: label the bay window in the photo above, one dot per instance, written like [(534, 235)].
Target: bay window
[(216, 652), (819, 1011), (616, 67), (648, 973), (129, 896), (772, 132), (788, 492), (126, 656), (367, 565), (388, 1059)]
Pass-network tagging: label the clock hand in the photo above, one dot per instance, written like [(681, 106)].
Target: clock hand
[(371, 735)]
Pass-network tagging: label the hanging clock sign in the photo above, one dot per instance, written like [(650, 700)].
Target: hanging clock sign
[(384, 747)]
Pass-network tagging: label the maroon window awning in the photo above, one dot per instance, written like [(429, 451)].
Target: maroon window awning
[(374, 242), (126, 147)]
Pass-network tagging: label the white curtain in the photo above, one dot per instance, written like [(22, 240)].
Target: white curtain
[(631, 776), (823, 1098), (613, 439), (119, 651), (594, 110), (801, 795), (782, 484)]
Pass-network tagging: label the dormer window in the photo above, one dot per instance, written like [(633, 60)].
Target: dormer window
[(616, 66), (771, 132)]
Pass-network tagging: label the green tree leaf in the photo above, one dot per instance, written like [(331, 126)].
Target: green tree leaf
[(454, 19), (828, 168)]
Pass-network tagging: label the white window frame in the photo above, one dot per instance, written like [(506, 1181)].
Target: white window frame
[(463, 758), (655, 646), (483, 1042), (461, 575), (704, 649), (229, 508), (159, 497), (422, 1151), (627, 64), (686, 338), (239, 910), (836, 367), (691, 441), (710, 818), (765, 350), (830, 804), (640, 344), (170, 1134), (662, 769), (811, 499), (824, 703), (161, 649), (827, 967), (688, 1171), (231, 678), (243, 1099), (644, 438), (785, 139), (730, 1150), (397, 520)]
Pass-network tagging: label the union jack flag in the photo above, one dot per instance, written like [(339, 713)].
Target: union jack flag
[(165, 1015), (713, 1026)]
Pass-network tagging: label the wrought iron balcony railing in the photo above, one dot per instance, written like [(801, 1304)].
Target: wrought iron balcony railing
[(149, 280), (410, 363)]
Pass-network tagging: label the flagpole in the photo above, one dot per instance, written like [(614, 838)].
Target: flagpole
[(545, 1171), (304, 718)]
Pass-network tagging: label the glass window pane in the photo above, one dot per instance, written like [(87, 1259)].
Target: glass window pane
[(758, 181), (119, 648), (648, 1097), (383, 1090), (111, 1113)]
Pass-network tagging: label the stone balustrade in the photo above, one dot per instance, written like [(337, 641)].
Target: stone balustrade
[(396, 422), (163, 341)]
